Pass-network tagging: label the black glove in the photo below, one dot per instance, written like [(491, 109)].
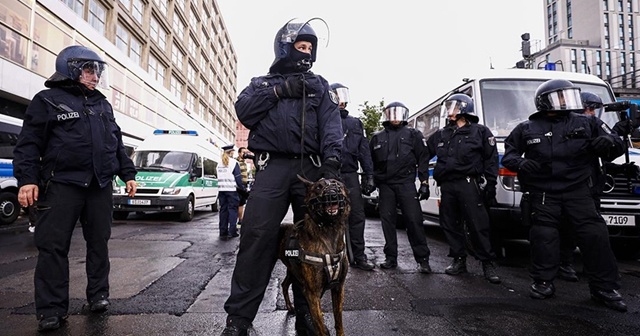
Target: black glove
[(602, 144), (291, 88), (330, 168), (490, 195), (368, 185), (423, 192), (530, 166), (243, 192), (622, 127)]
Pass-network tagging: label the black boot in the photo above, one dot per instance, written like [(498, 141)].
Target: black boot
[(50, 323), (611, 299), (99, 306), (490, 273), (567, 273), (424, 267), (389, 263), (363, 264), (232, 330), (458, 266), (542, 290)]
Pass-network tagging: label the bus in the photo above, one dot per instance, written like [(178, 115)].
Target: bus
[(503, 99)]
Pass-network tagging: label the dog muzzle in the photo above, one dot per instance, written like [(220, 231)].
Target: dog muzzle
[(329, 204)]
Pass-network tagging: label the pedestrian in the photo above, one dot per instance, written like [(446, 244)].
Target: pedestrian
[(355, 154), (400, 153), (67, 154), (466, 172), (295, 130), (230, 186), (243, 154), (559, 149)]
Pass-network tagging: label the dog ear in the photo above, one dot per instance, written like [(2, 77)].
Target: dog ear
[(305, 181)]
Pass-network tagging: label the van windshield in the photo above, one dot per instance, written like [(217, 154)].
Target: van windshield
[(163, 160), (506, 103)]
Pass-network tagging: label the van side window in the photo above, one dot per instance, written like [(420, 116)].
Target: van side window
[(210, 168), (7, 143)]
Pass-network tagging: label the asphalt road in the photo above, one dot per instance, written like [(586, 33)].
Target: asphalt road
[(172, 278)]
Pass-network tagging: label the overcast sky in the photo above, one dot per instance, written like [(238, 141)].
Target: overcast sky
[(400, 50)]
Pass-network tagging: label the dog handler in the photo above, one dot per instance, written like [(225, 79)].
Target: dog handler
[(295, 130)]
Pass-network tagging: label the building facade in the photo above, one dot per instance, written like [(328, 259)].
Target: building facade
[(171, 64), (599, 37)]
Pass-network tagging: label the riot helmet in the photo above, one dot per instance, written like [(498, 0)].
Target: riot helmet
[(287, 57), (592, 102), (395, 111), (558, 95), (458, 105), (342, 92), (80, 64)]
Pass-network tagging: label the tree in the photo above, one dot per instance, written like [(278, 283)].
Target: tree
[(371, 117)]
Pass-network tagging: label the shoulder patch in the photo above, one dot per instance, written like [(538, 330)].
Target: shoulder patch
[(492, 141), (605, 128), (333, 97)]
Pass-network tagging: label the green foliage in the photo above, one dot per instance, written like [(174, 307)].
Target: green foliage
[(370, 118)]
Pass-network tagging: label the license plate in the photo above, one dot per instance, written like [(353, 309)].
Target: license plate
[(139, 202), (619, 220)]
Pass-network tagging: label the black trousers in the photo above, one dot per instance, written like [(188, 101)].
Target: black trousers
[(405, 196), (462, 202), (276, 187), (356, 217), (228, 215), (578, 208), (60, 206)]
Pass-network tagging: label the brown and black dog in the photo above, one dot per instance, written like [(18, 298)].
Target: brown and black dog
[(314, 250)]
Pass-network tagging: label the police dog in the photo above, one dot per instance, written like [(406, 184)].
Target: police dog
[(314, 250)]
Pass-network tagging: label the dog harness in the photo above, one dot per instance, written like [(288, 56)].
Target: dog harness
[(331, 263)]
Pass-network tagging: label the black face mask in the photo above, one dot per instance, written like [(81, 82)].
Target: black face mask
[(301, 60)]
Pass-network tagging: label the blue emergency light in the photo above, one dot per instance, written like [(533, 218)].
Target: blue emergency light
[(550, 66), (175, 132)]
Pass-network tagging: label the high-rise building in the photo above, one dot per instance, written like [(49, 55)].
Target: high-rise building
[(599, 37), (171, 64)]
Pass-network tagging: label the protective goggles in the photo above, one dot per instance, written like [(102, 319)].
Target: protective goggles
[(343, 94), (396, 113), (565, 99)]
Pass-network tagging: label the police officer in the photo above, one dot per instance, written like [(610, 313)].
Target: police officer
[(559, 147), (466, 171), (295, 130), (399, 153), (68, 151), (355, 150), (230, 186)]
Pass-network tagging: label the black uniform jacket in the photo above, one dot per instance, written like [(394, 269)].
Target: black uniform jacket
[(70, 137), (397, 153), (275, 124), (562, 146), (467, 151), (355, 147)]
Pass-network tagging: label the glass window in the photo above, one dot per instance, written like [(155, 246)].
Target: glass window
[(176, 87), (42, 61), (193, 47), (181, 4), (157, 33), (76, 5), (13, 46), (191, 74), (178, 27), (122, 39), (50, 36), (193, 19), (191, 102), (15, 15), (162, 5), (177, 57), (137, 10), (97, 16)]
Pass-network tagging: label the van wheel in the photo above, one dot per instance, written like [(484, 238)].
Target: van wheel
[(215, 207), (187, 214), (9, 208), (120, 215)]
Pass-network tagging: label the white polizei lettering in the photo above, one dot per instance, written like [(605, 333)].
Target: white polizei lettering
[(70, 115)]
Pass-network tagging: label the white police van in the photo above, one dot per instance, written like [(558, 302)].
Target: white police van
[(176, 174), (10, 128), (503, 99)]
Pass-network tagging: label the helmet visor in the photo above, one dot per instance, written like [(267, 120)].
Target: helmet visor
[(290, 32), (451, 108), (90, 73), (565, 99), (396, 113), (343, 94), (598, 108)]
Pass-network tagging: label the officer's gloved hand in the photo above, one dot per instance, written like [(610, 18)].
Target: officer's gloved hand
[(602, 144), (330, 168), (530, 166), (622, 127), (423, 192), (368, 185), (291, 88), (490, 195)]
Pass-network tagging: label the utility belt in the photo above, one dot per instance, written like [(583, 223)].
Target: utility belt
[(262, 158)]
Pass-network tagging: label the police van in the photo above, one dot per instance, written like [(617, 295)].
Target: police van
[(176, 174), (10, 128), (503, 99)]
